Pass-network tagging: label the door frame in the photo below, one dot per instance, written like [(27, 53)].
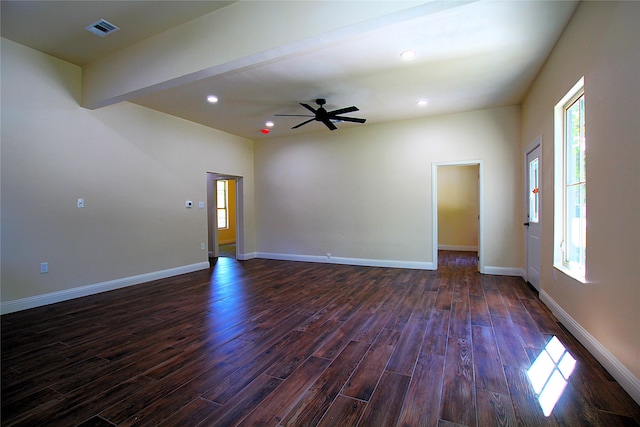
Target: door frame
[(434, 196), (537, 142), (212, 218)]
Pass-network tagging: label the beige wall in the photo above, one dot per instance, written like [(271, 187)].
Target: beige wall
[(134, 167), (601, 44), (458, 207), (365, 192)]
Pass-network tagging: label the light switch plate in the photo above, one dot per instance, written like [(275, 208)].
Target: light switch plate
[(81, 203)]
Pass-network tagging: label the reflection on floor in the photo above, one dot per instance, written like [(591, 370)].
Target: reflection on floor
[(549, 374), (228, 250)]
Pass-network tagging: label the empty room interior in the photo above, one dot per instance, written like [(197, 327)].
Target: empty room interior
[(320, 213)]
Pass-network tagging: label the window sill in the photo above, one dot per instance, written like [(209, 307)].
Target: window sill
[(578, 276)]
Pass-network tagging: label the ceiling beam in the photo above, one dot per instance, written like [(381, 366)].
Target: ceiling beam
[(241, 35)]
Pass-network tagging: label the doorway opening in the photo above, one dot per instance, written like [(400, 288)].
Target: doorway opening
[(458, 208), (225, 216)]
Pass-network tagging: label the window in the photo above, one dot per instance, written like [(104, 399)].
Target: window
[(222, 190), (571, 184), (534, 193)]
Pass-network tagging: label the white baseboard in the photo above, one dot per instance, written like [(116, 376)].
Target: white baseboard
[(415, 265), (457, 248), (503, 271), (246, 257), (625, 378), (82, 291)]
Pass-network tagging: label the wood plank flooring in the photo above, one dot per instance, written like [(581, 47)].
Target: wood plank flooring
[(276, 343)]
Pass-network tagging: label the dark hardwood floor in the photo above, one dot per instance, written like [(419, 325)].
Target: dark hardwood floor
[(270, 343)]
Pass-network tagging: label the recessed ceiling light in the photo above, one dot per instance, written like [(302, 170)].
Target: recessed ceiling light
[(269, 124), (408, 55), (212, 99), (422, 102)]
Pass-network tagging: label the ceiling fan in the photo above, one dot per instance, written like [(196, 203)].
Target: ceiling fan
[(324, 116)]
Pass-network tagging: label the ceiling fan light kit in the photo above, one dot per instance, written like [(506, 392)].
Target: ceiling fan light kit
[(327, 117)]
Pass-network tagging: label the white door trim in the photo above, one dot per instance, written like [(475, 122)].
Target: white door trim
[(530, 148), (434, 206), (212, 219)]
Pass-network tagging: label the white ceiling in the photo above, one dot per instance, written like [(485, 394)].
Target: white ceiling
[(470, 55), (57, 27)]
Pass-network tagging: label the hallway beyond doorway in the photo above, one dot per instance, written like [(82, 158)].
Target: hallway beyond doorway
[(228, 250)]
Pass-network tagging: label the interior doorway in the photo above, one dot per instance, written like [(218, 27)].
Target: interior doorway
[(225, 216), (458, 208)]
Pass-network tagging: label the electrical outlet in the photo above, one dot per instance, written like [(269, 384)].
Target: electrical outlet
[(202, 246), (81, 203), (328, 255), (44, 267)]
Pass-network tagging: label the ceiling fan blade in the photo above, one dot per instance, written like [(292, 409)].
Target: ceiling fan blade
[(303, 123), (329, 124), (293, 115), (349, 119), (343, 110), (308, 107)]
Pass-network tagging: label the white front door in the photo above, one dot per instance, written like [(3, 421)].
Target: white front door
[(532, 223)]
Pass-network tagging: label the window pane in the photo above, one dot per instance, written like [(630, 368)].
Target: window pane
[(222, 218), (575, 143), (575, 177), (221, 194), (534, 196), (576, 226), (221, 203)]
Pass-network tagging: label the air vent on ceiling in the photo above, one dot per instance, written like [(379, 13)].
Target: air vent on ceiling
[(101, 28)]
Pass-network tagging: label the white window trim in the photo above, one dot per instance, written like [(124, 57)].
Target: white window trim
[(559, 187), (226, 204)]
